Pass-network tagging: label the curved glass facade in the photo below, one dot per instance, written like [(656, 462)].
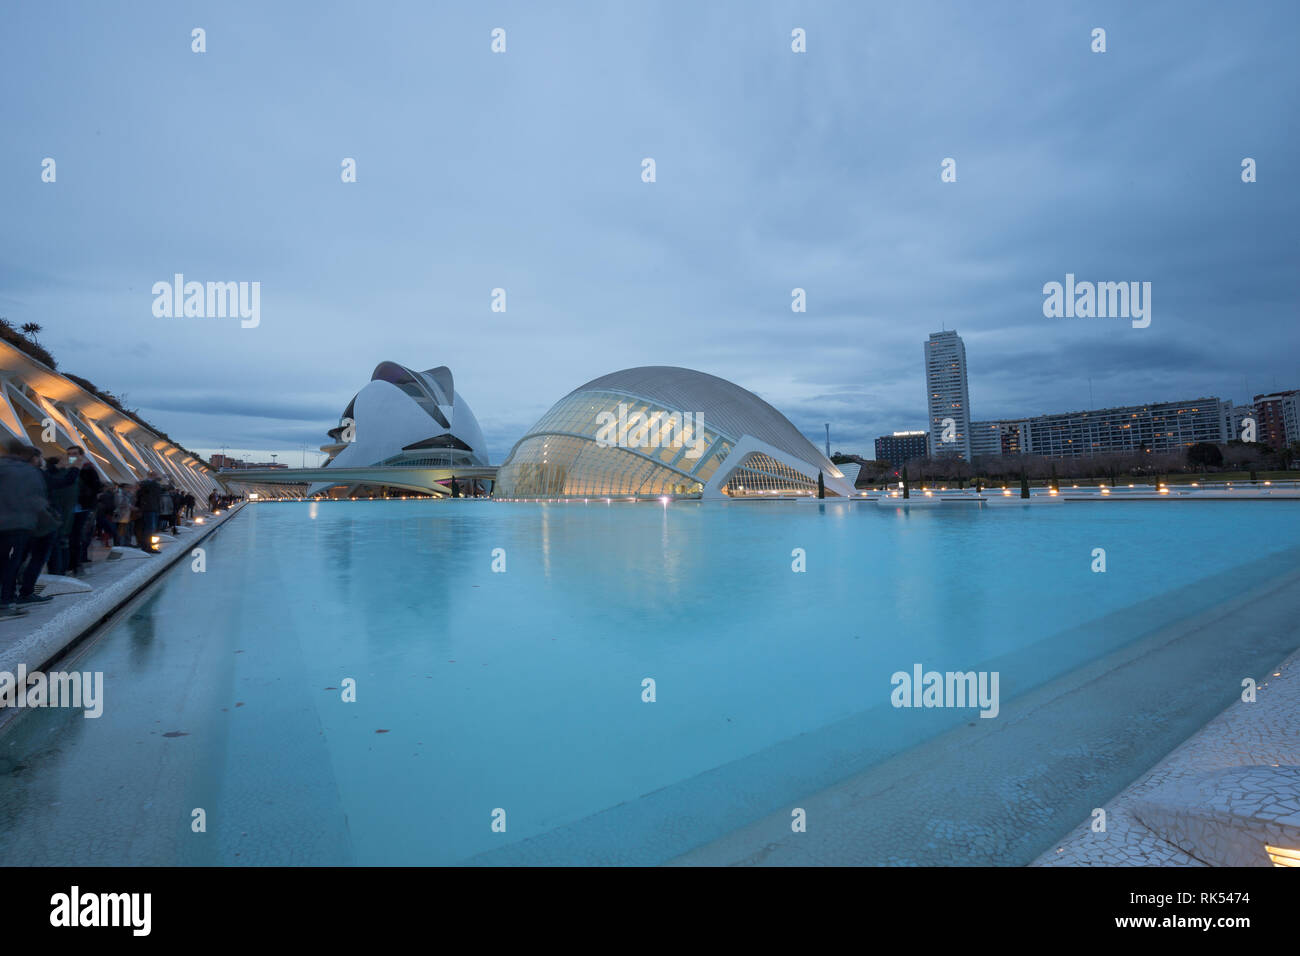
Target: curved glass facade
[(654, 431), (605, 443), (759, 474)]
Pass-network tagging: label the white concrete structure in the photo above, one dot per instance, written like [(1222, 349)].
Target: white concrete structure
[(405, 419), (662, 430), (50, 411)]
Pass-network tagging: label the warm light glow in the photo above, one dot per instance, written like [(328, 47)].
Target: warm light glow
[(1164, 491), (1006, 492), (1052, 491), (1105, 491), (1283, 856)]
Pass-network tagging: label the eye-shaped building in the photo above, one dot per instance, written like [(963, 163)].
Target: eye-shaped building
[(405, 418), (660, 430)]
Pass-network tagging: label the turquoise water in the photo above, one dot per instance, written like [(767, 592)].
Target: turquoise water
[(523, 690)]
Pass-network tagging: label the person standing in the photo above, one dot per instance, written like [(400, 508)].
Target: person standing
[(148, 498), (39, 544), (105, 505), (22, 498), (61, 485), (122, 515), (167, 510), (83, 513)]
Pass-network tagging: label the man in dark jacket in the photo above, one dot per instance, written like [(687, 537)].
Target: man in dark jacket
[(148, 498), (61, 485), (40, 542), (88, 485), (22, 498)]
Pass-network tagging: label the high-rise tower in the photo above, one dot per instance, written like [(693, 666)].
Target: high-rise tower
[(947, 395)]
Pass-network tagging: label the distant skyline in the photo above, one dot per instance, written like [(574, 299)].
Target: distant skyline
[(774, 171)]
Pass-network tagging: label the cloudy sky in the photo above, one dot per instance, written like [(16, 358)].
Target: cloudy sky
[(775, 170)]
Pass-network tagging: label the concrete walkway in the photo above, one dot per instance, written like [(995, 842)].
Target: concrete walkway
[(114, 577), (1220, 799)]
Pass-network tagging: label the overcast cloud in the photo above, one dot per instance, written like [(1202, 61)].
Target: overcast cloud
[(775, 171)]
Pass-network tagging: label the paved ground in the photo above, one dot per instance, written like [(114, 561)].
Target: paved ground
[(47, 628), (1199, 795)]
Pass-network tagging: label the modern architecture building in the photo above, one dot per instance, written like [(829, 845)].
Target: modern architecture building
[(49, 410), (947, 395), (901, 447), (659, 430), (405, 419)]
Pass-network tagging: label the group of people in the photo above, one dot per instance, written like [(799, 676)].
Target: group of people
[(52, 507), (218, 502)]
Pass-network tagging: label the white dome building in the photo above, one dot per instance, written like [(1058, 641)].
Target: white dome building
[(406, 418), (660, 430)]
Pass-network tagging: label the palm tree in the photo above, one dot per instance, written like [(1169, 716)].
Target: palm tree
[(31, 330)]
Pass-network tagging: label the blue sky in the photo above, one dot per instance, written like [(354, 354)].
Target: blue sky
[(774, 171)]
